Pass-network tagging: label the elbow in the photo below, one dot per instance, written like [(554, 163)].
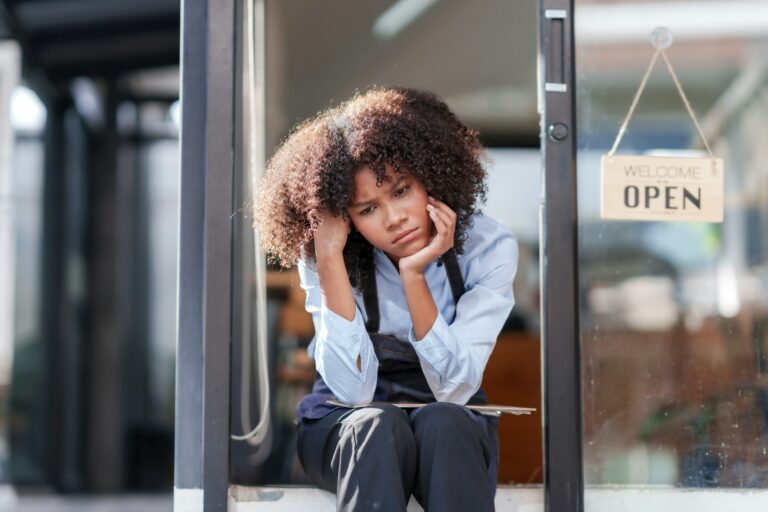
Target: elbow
[(460, 391), (355, 397), (351, 380), (354, 389), (361, 399)]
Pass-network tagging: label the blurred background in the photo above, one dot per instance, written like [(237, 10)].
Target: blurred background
[(673, 315), (88, 219)]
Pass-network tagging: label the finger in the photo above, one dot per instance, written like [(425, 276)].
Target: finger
[(441, 223), (445, 217), (436, 214), (442, 206)]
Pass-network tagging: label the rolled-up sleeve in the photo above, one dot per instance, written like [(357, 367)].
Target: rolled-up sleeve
[(337, 345), (453, 356)]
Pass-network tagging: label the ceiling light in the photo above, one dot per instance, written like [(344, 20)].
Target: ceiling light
[(401, 14)]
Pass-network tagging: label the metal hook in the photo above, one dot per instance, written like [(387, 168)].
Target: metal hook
[(661, 37)]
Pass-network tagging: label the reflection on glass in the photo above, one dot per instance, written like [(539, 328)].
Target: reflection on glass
[(674, 315), (161, 172)]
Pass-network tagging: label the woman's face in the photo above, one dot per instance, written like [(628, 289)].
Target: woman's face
[(392, 217)]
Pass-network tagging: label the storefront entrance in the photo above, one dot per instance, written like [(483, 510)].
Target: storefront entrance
[(641, 344)]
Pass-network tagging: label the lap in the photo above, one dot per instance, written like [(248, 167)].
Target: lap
[(442, 411), (329, 430), (354, 435), (440, 422), (388, 416)]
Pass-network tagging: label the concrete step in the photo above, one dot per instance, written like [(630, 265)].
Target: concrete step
[(624, 498)]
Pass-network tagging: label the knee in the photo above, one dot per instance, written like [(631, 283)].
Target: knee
[(378, 420), (442, 419)]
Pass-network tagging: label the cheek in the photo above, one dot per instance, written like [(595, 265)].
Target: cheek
[(419, 207), (421, 200), (366, 227)]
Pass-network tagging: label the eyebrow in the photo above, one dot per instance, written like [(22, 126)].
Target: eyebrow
[(391, 187)]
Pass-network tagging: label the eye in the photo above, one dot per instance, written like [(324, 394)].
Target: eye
[(401, 191), (366, 211)]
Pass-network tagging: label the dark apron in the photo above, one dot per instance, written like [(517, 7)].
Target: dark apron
[(400, 377)]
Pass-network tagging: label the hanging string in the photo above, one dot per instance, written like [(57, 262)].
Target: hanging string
[(634, 103), (623, 129), (687, 104)]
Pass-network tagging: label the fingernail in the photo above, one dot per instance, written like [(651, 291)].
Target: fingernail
[(431, 198)]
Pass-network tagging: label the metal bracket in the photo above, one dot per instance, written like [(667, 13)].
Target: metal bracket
[(556, 14)]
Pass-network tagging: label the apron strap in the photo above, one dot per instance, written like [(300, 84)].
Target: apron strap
[(371, 299), (454, 274), (371, 295)]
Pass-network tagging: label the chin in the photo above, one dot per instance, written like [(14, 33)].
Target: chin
[(410, 251)]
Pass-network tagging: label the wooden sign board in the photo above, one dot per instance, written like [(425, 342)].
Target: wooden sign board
[(661, 188)]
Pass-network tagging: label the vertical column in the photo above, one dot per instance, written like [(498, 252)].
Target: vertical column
[(52, 288), (205, 252), (564, 487), (104, 424)]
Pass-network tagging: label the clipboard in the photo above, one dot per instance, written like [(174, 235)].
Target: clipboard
[(488, 410)]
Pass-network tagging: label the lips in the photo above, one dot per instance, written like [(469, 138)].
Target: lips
[(403, 235)]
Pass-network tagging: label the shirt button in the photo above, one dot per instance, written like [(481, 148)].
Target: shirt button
[(355, 338), (429, 351)]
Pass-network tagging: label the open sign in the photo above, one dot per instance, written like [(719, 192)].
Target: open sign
[(661, 188)]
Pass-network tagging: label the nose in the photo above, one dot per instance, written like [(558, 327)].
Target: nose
[(395, 216)]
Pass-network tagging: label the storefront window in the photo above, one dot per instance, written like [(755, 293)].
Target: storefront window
[(674, 315)]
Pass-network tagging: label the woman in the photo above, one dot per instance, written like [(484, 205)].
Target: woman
[(408, 285)]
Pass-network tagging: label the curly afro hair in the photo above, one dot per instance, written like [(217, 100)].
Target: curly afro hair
[(313, 170)]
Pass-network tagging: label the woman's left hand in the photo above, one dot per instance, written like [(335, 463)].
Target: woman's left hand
[(444, 220)]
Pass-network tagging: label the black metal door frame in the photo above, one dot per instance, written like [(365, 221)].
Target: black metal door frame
[(204, 334), (561, 400)]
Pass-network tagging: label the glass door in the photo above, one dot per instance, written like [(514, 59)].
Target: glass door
[(673, 315)]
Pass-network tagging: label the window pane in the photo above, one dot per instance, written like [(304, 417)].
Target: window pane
[(673, 314)]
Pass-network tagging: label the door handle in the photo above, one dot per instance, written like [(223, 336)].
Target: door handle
[(554, 81)]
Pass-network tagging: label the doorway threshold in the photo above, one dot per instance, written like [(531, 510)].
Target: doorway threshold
[(528, 498)]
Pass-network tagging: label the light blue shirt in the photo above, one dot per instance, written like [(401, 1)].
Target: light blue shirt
[(453, 354)]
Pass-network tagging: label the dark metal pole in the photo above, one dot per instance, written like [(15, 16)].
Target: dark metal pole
[(105, 421), (205, 252), (563, 480), (49, 416)]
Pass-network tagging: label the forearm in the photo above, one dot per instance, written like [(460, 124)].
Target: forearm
[(335, 286), (421, 304)]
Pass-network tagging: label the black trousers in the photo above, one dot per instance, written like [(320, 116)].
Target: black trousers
[(373, 458)]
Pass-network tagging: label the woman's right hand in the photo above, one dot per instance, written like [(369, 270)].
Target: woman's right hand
[(331, 235)]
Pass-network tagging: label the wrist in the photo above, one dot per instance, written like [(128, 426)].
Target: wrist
[(411, 275), (328, 253)]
